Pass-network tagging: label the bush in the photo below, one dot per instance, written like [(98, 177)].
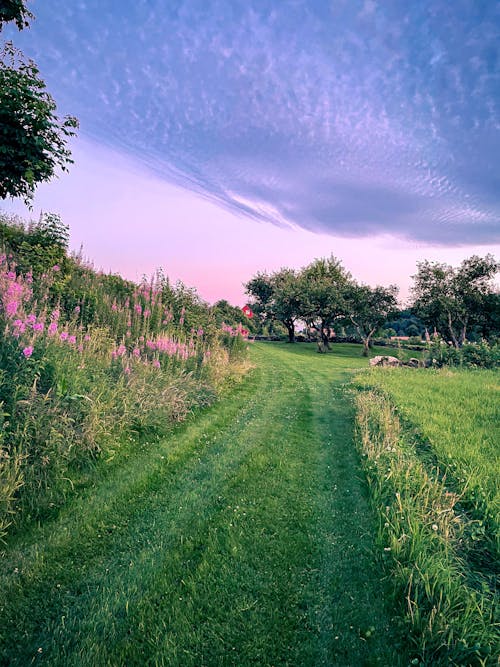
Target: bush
[(470, 355)]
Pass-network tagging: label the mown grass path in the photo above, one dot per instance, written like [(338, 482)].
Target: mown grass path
[(244, 538)]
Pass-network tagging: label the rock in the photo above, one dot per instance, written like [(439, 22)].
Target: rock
[(384, 361), (413, 362)]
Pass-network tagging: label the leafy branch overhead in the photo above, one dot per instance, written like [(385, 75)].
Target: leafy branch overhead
[(33, 139), (14, 10)]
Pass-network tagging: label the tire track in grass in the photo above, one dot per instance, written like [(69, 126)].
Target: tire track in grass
[(250, 548)]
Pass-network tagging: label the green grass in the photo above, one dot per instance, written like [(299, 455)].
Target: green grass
[(244, 538), (458, 413), (429, 441)]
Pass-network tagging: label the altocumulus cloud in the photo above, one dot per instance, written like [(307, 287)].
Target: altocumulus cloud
[(353, 118)]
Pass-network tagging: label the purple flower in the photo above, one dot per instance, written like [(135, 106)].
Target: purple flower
[(28, 351)]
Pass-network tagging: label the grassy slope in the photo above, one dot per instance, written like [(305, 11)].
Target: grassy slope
[(245, 538)]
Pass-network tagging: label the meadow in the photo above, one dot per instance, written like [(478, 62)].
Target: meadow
[(174, 494), (429, 439), (89, 363)]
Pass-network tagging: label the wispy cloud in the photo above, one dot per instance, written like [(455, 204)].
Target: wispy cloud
[(354, 118)]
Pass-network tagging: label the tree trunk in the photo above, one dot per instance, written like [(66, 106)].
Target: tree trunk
[(456, 344), (291, 331), (324, 338), (366, 346)]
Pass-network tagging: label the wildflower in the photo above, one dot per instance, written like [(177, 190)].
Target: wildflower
[(156, 363), (54, 316), (38, 326), (72, 340), (138, 308), (11, 308), (28, 351), (126, 370), (80, 348), (52, 329), (56, 268), (147, 312), (120, 350), (86, 337), (64, 335), (136, 352), (76, 310)]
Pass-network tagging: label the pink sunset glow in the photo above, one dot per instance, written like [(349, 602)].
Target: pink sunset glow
[(132, 222)]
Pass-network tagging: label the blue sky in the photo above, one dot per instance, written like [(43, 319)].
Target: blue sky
[(345, 118)]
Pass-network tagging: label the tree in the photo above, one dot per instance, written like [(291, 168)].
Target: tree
[(32, 137), (14, 10), (324, 285), (452, 299), (369, 308), (277, 297)]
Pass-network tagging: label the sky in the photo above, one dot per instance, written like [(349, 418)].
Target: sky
[(223, 137)]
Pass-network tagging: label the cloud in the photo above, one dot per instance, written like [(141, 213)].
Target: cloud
[(351, 118)]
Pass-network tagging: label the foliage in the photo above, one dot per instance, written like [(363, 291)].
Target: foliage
[(88, 359), (15, 10), (470, 355), (368, 309), (33, 139), (278, 296), (449, 299)]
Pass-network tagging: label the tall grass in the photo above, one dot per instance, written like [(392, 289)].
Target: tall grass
[(450, 606), (89, 361), (456, 413)]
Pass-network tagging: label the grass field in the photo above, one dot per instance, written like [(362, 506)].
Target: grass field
[(245, 538), (430, 443), (250, 536), (458, 413)]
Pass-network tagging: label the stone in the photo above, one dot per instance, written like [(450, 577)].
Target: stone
[(384, 361)]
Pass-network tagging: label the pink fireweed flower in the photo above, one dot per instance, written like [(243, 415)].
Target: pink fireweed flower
[(54, 315), (72, 340), (138, 308), (38, 326), (64, 335), (80, 348), (199, 332), (151, 345), (156, 363), (147, 312), (121, 350), (126, 370), (114, 307), (28, 351), (31, 319), (136, 352), (56, 268), (129, 333), (76, 310), (11, 275), (11, 308), (52, 329)]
